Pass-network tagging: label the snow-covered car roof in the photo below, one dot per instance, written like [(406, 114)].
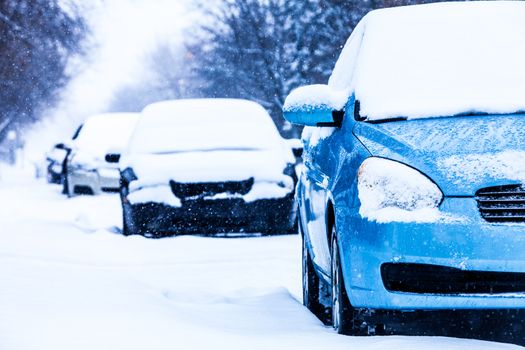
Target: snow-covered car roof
[(203, 125), (436, 60), (106, 133)]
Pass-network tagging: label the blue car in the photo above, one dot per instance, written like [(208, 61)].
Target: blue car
[(412, 195)]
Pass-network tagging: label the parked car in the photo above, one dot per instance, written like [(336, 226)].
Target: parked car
[(412, 195), (207, 166), (92, 163), (56, 160)]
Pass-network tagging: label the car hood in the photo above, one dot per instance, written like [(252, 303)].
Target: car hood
[(461, 154), (90, 160), (207, 166)]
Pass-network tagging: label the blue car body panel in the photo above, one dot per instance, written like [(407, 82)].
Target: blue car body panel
[(329, 182), (426, 144)]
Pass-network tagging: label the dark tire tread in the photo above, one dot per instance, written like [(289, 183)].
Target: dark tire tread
[(313, 288)]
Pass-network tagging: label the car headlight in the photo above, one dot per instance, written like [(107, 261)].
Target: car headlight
[(384, 183)]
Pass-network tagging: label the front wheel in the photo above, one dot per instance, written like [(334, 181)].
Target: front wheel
[(342, 311)]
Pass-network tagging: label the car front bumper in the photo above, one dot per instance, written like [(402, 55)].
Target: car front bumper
[(215, 216), (468, 245), (94, 181)]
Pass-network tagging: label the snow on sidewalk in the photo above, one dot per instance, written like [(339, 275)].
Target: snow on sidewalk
[(70, 281)]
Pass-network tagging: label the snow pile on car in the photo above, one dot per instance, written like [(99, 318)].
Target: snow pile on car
[(316, 97), (436, 60), (203, 125), (312, 135), (390, 191), (161, 194), (105, 133), (508, 165), (206, 141)]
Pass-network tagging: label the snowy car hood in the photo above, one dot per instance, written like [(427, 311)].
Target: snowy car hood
[(461, 154), (207, 166)]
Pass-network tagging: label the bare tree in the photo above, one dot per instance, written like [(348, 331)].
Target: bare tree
[(36, 39), (244, 51), (168, 77), (261, 49)]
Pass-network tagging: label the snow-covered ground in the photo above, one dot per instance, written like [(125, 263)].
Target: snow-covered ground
[(69, 280)]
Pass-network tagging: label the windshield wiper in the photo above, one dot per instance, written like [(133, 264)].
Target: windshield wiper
[(359, 118), (386, 120)]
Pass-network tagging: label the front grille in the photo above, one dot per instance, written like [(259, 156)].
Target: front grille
[(502, 203), (83, 190), (110, 189), (199, 190), (433, 279)]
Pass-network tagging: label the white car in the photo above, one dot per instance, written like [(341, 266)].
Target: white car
[(92, 165), (207, 165)]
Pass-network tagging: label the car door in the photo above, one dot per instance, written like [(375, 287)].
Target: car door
[(315, 180)]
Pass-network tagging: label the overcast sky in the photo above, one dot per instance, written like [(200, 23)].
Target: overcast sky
[(124, 32)]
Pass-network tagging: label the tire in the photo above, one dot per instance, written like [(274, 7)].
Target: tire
[(65, 186), (313, 288), (344, 316), (128, 227)]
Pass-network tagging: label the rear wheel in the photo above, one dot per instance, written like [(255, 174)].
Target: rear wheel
[(312, 288)]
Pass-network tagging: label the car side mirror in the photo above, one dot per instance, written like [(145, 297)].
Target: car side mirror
[(315, 105), (112, 157)]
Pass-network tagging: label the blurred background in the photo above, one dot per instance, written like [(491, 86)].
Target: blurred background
[(63, 60)]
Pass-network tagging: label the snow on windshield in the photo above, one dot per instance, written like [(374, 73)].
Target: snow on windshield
[(106, 133), (204, 125), (437, 60)]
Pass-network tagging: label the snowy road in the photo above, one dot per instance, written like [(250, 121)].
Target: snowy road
[(69, 280)]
